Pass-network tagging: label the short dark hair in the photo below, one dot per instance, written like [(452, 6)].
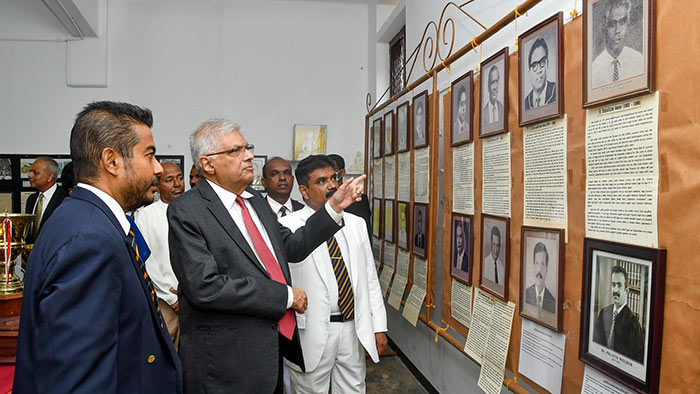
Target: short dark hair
[(540, 42), (67, 177), (495, 231), (264, 170), (618, 269), (461, 90), (493, 69), (100, 125), (338, 161), (539, 247), (309, 165)]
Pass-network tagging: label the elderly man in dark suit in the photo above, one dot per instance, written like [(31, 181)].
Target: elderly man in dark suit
[(616, 326), (90, 322), (42, 177), (230, 256)]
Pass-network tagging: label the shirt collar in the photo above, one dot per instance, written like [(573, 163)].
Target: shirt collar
[(49, 192), (111, 203), (228, 198), (275, 206), (618, 310)]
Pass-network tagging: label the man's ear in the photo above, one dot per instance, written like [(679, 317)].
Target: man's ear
[(111, 161), (304, 192), (206, 165), (264, 183)]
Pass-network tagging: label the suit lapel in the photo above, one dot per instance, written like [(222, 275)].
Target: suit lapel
[(56, 199)]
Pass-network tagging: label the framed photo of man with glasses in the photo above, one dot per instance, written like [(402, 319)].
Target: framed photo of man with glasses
[(541, 68)]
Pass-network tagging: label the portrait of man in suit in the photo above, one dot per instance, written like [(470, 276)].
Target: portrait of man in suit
[(230, 256), (419, 230), (618, 60), (460, 247), (492, 110), (402, 127), (419, 120), (538, 294), (493, 268), (460, 125), (616, 327), (542, 91)]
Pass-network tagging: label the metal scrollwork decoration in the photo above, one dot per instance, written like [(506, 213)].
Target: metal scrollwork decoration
[(431, 45)]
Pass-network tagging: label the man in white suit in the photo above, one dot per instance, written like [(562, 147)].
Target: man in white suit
[(345, 314)]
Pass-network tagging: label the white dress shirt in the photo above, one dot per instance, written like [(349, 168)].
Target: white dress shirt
[(275, 206), (631, 64), (152, 221), (229, 200), (47, 197), (491, 112)]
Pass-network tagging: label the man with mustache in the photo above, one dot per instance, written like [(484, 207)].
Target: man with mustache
[(90, 321), (617, 61), (153, 223), (616, 327), (278, 182), (543, 92), (346, 314), (538, 294)]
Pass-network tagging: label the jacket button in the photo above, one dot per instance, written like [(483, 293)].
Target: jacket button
[(274, 326), (151, 359)]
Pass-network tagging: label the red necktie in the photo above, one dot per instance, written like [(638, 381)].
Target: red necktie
[(287, 322)]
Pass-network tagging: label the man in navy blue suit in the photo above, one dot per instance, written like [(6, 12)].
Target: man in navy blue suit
[(90, 323)]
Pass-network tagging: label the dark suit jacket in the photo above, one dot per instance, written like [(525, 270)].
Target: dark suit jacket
[(229, 306), (361, 209), (549, 97), (88, 324), (628, 337), (548, 302), (461, 265), (48, 209), (296, 205)]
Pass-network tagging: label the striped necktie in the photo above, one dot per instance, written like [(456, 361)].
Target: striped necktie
[(346, 300), (611, 337), (141, 250), (37, 215), (616, 70)]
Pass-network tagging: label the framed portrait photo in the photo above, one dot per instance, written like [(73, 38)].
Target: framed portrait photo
[(494, 94), (495, 250), (178, 160), (377, 218), (540, 70), (622, 312), (420, 120), (462, 247), (5, 169), (618, 50), (377, 140), (258, 164), (403, 216), (403, 142), (389, 133), (389, 220), (462, 109), (420, 230), (309, 140), (542, 276)]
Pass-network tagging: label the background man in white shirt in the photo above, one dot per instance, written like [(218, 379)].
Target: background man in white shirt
[(42, 177), (153, 223), (278, 181)]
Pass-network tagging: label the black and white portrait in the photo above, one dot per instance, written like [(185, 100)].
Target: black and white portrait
[(402, 143), (616, 49), (462, 109), (420, 120), (461, 250), (389, 133), (377, 140), (494, 94), (541, 266), (540, 57), (495, 239), (420, 229), (5, 170)]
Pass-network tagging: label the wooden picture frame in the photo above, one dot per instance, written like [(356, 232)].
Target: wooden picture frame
[(403, 137), (420, 134), (420, 230), (403, 224), (495, 271), (377, 216), (462, 114), (462, 247), (493, 103), (542, 276), (631, 277), (540, 72), (389, 220), (377, 139), (309, 139), (631, 49), (389, 133)]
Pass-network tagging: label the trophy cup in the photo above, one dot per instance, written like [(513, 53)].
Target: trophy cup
[(13, 232)]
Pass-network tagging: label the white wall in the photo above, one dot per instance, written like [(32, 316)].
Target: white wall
[(264, 64)]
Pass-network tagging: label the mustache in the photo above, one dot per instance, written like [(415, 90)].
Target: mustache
[(331, 193), (616, 294), (538, 275)]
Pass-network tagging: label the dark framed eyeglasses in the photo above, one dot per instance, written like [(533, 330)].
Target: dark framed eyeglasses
[(235, 151), (539, 64)]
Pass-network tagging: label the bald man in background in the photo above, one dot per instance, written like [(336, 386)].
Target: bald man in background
[(42, 177)]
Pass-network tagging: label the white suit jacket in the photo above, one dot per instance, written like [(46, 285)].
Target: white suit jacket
[(309, 275)]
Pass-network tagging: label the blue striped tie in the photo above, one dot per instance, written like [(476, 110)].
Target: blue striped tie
[(138, 243), (346, 300)]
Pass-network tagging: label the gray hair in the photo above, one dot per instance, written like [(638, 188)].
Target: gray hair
[(208, 136), (51, 165)]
